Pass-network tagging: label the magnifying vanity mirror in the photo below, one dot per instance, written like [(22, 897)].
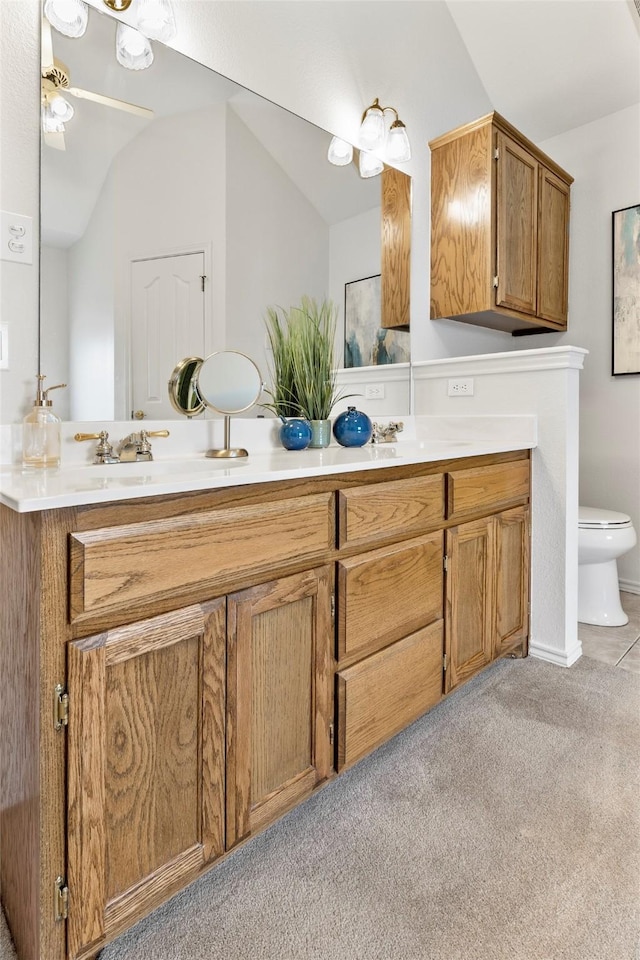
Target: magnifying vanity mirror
[(157, 230), (227, 382)]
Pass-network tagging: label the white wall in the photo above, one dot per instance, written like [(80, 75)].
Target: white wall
[(55, 328), (354, 254), (604, 158)]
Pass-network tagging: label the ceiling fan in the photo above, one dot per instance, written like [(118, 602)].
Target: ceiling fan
[(55, 81)]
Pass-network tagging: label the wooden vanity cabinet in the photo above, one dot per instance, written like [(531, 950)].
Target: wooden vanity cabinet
[(499, 230), (188, 668)]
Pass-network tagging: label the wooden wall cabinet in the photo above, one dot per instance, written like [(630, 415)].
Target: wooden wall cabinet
[(244, 667), (499, 230)]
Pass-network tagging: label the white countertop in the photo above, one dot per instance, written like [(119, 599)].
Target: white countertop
[(31, 490)]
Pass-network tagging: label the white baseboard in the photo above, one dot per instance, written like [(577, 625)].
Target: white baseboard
[(562, 658), (630, 586)]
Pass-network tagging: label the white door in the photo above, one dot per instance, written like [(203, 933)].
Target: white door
[(167, 324)]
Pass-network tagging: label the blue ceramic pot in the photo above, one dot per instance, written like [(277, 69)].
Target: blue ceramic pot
[(352, 428), (295, 434)]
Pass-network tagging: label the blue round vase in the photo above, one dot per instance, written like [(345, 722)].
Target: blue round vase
[(352, 428), (295, 434)]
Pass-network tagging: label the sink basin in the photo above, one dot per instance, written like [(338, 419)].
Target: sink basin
[(153, 468)]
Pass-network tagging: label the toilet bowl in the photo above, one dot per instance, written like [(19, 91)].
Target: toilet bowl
[(603, 536)]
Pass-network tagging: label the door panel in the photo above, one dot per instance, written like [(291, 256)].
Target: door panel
[(512, 579), (279, 697), (470, 603), (167, 324), (553, 248), (146, 766), (517, 220)]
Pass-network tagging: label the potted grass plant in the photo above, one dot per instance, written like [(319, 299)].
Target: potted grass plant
[(303, 373)]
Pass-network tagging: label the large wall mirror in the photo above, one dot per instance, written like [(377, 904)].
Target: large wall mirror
[(203, 215)]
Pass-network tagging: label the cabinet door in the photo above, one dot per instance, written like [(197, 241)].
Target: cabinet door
[(470, 602), (279, 697), (553, 248), (512, 580), (145, 767), (516, 226)]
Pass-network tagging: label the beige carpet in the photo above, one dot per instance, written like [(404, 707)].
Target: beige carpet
[(504, 825)]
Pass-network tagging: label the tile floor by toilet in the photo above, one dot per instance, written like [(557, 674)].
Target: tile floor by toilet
[(619, 646)]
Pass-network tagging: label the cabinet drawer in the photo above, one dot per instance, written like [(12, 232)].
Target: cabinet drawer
[(486, 488), (379, 696), (382, 510), (122, 570), (388, 593)]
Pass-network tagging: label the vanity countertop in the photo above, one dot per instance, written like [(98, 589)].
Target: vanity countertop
[(32, 490)]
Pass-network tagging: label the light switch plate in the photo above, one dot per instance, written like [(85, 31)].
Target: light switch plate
[(16, 237)]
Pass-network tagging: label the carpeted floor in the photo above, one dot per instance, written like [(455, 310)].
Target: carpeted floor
[(504, 825)]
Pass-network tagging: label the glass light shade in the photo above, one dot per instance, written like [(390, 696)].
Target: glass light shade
[(340, 152), (69, 17), (61, 108), (155, 19), (51, 123), (372, 130), (369, 165), (133, 50), (398, 146)]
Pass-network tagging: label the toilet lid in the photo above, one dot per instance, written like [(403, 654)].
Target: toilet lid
[(593, 518)]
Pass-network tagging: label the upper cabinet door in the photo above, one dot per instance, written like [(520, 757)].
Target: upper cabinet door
[(516, 226), (553, 248), (279, 697), (146, 766)]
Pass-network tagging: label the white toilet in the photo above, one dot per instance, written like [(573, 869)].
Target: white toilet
[(603, 536)]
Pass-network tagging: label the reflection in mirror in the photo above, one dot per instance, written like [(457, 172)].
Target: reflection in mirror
[(183, 393), (157, 232), (228, 382)]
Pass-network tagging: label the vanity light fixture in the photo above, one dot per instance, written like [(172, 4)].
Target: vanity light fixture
[(369, 165), (152, 20), (377, 143), (340, 152)]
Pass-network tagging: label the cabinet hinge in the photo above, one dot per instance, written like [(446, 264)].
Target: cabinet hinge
[(203, 277), (445, 562), (331, 734), (61, 899), (333, 607), (60, 707), (496, 153), (445, 662), (495, 281)]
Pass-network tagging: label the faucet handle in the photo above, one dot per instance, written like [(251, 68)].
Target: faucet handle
[(154, 433), (104, 450)]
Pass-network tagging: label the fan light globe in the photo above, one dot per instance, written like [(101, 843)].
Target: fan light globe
[(133, 50), (155, 19), (340, 152), (61, 108), (51, 123), (369, 165), (69, 17)]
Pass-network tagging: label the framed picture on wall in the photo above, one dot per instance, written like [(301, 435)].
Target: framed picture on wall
[(366, 343), (626, 291)]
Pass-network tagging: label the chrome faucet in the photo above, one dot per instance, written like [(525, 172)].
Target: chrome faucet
[(136, 446)]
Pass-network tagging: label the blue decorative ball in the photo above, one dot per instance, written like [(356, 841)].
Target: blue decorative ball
[(295, 434), (352, 428)]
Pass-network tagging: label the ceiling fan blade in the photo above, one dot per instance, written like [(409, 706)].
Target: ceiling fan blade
[(46, 49), (110, 101), (55, 140)]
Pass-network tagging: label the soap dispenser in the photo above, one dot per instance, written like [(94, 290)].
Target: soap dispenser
[(41, 431)]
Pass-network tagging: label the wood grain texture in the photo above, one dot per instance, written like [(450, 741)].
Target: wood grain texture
[(379, 696), (462, 257), (483, 489), (388, 593), (400, 508), (517, 227), (143, 815), (279, 702), (512, 553), (553, 248), (470, 601), (395, 249), (133, 564)]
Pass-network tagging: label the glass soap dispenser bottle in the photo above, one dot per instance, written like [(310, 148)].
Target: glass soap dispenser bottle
[(41, 430)]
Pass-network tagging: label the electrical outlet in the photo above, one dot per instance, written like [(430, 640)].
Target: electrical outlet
[(374, 391), (16, 233), (461, 387)]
